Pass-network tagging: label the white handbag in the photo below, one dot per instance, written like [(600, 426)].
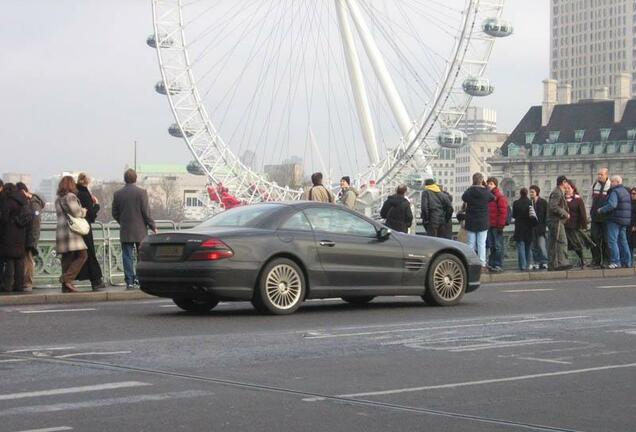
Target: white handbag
[(78, 225)]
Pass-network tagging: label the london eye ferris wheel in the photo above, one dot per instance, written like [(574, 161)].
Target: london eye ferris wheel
[(366, 88)]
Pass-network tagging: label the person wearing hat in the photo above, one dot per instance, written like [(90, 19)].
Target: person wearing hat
[(348, 194), (435, 208), (558, 214)]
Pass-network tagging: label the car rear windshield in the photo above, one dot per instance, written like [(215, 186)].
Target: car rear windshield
[(246, 216)]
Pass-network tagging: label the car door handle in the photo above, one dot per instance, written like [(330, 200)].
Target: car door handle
[(327, 243)]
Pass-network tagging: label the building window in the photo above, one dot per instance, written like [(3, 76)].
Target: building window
[(529, 137), (605, 132), (578, 135), (553, 136)]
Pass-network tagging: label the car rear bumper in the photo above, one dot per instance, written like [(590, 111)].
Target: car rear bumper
[(229, 281)]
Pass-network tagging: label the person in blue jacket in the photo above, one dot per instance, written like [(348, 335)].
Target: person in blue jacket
[(619, 218)]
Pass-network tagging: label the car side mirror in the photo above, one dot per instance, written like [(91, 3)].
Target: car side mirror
[(384, 233)]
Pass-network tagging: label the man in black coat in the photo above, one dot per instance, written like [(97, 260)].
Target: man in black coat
[(435, 207), (130, 210), (397, 211), (477, 221), (13, 229)]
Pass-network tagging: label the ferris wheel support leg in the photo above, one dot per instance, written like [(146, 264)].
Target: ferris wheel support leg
[(379, 67), (357, 83)]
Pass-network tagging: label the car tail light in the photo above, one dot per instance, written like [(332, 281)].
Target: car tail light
[(211, 250)]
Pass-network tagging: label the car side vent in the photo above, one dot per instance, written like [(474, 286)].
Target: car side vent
[(413, 264)]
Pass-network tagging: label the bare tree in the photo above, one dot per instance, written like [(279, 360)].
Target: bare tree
[(165, 200), (105, 192)]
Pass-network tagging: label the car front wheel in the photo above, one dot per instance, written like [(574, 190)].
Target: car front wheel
[(446, 281), (196, 305), (281, 288)]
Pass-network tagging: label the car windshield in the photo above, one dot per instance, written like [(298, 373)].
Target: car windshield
[(245, 216)]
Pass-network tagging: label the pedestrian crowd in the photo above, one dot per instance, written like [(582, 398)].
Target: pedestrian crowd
[(76, 208), (544, 230)]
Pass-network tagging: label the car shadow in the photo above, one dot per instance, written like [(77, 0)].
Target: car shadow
[(245, 309)]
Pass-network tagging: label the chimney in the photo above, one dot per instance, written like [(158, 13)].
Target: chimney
[(623, 94), (564, 94), (549, 100), (600, 93)]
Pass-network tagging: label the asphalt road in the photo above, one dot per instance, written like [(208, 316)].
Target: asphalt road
[(537, 356)]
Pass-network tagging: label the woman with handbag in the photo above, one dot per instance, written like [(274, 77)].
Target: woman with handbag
[(71, 225), (91, 270)]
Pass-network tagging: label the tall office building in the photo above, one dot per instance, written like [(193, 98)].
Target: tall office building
[(592, 41), (478, 119)]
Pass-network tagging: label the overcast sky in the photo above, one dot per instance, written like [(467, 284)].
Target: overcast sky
[(76, 82)]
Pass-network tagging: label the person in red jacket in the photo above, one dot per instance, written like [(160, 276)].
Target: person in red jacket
[(497, 215)]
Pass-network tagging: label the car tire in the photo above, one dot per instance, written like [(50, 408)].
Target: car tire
[(446, 281), (358, 300), (281, 287), (196, 305)]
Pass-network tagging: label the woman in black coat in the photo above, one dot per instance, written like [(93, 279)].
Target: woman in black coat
[(91, 270), (524, 224), (397, 211), (15, 217)]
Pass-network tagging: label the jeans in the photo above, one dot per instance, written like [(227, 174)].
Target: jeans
[(523, 254), (477, 242), (620, 253), (128, 252), (495, 241), (539, 249)]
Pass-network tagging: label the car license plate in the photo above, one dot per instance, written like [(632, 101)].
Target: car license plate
[(169, 251)]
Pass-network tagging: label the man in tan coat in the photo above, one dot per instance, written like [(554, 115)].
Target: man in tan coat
[(318, 192), (558, 214)]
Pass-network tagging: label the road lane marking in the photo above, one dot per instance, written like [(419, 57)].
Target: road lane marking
[(544, 360), (615, 286), (92, 353), (39, 349), (487, 381), (56, 310), (37, 409), (528, 290), (14, 360), (68, 390), (51, 429), (406, 330)]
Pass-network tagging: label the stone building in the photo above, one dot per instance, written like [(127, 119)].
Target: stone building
[(572, 139)]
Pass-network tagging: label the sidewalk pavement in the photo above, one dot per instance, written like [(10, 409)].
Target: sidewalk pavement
[(114, 293)]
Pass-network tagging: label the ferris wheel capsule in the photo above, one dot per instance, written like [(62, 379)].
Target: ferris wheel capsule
[(452, 138), (166, 42), (195, 168), (173, 89), (176, 131), (478, 86), (497, 27)]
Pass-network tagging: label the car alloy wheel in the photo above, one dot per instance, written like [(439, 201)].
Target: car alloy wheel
[(281, 288), (446, 282)]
